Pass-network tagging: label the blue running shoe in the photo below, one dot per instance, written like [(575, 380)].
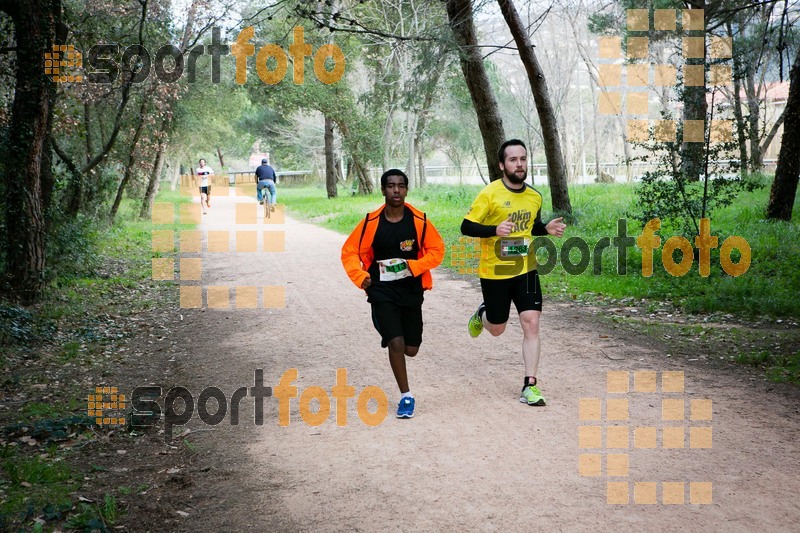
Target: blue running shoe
[(405, 409)]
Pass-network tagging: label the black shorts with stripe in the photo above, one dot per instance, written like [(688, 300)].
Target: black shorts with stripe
[(393, 320), (524, 290)]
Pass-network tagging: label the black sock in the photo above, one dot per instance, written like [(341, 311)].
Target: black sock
[(528, 381)]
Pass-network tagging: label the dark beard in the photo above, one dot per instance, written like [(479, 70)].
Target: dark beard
[(512, 177)]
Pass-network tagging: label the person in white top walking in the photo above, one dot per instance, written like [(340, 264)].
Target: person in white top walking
[(204, 172)]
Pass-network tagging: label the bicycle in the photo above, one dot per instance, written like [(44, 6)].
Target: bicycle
[(267, 201)]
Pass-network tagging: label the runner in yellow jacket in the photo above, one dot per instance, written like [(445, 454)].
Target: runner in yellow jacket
[(390, 254)]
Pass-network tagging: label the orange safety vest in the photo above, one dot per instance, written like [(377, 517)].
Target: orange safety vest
[(357, 254)]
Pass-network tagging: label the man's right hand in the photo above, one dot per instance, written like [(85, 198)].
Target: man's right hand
[(504, 228), (366, 283)]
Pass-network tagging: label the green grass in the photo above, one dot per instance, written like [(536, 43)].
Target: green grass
[(33, 487), (768, 288), (105, 275), (779, 368), (95, 517)]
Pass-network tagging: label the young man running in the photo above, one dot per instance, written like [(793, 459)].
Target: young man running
[(205, 187), (390, 254), (505, 214)]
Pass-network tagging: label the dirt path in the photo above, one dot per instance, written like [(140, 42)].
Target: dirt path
[(473, 457)]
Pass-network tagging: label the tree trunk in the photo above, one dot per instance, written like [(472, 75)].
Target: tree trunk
[(48, 181), (330, 167), (34, 24), (424, 114), (411, 131), (221, 159), (337, 171), (737, 106), (556, 171), (76, 201), (364, 183), (620, 118), (595, 120), (695, 107), (459, 15), (177, 172), (784, 188), (567, 152), (753, 119), (771, 135), (153, 182), (131, 162), (420, 161), (387, 135)]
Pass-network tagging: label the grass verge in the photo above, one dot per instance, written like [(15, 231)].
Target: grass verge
[(53, 354)]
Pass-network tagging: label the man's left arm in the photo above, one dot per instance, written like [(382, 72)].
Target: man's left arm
[(433, 252), (555, 227)]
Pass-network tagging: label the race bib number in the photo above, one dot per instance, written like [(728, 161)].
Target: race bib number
[(393, 269), (514, 247)]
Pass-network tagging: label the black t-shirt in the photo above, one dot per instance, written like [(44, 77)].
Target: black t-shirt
[(395, 240)]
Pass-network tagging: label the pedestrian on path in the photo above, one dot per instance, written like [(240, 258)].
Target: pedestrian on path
[(505, 215), (390, 254)]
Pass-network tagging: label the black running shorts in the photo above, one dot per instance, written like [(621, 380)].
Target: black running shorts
[(524, 290), (392, 320)]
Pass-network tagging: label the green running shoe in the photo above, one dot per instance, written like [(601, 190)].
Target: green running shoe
[(532, 395), (475, 324)]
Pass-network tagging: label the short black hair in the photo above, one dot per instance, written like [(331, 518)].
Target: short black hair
[(501, 153), (201, 159), (393, 172)]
